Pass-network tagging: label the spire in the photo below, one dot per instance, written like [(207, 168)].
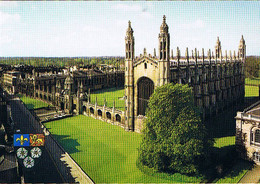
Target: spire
[(218, 42), (242, 48), (187, 53), (129, 42), (234, 54), (218, 48), (178, 53), (230, 55), (202, 53), (145, 53), (242, 40), (154, 52), (172, 53), (209, 54), (164, 26), (129, 31)]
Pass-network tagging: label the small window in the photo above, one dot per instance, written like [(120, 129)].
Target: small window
[(145, 65)]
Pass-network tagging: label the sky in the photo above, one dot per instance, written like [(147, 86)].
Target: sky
[(77, 29)]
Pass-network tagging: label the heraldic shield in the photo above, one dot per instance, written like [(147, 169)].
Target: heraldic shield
[(29, 149)]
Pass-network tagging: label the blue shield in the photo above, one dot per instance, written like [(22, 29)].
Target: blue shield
[(21, 140)]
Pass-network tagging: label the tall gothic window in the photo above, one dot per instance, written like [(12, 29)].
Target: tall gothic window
[(257, 136)]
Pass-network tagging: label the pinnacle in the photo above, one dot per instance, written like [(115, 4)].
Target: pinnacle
[(129, 23), (164, 18)]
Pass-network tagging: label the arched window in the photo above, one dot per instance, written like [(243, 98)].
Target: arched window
[(145, 65), (256, 156), (257, 136)]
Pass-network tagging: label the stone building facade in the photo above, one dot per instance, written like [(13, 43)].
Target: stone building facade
[(248, 133), (67, 91), (58, 86), (217, 80)]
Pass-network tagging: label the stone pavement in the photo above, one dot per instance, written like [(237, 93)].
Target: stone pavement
[(252, 176), (79, 175)]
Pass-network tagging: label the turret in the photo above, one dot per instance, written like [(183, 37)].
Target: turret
[(218, 48), (164, 54), (129, 42), (209, 56), (242, 48), (129, 78)]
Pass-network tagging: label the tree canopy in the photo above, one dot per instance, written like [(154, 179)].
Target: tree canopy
[(252, 67), (174, 138)]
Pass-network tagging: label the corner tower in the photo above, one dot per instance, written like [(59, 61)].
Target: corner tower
[(129, 78), (164, 54), (242, 48)]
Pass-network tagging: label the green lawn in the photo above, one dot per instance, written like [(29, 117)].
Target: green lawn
[(111, 95), (106, 152), (224, 141), (251, 91), (255, 81), (237, 172), (32, 103)]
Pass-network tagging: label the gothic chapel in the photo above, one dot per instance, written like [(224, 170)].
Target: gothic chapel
[(217, 80)]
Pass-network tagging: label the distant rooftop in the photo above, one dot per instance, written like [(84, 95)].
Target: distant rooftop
[(251, 113)]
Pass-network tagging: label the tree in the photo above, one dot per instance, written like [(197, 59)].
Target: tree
[(252, 67), (174, 139)]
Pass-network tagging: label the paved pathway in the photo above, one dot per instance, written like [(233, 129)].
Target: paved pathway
[(252, 176), (45, 171)]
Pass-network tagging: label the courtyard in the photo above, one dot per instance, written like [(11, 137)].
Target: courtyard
[(107, 153), (111, 95), (32, 103)]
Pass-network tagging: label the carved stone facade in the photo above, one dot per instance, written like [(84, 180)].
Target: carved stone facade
[(217, 81), (248, 133), (65, 90)]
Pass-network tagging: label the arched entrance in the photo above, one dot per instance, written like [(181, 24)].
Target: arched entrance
[(145, 87), (99, 112), (118, 118), (91, 110), (84, 109), (108, 114)]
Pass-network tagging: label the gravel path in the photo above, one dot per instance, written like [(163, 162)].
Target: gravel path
[(252, 176)]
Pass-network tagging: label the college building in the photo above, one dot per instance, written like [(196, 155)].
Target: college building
[(217, 80)]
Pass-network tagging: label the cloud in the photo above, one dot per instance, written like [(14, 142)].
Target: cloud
[(128, 8), (8, 4), (4, 39), (146, 14), (6, 18), (198, 24)]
